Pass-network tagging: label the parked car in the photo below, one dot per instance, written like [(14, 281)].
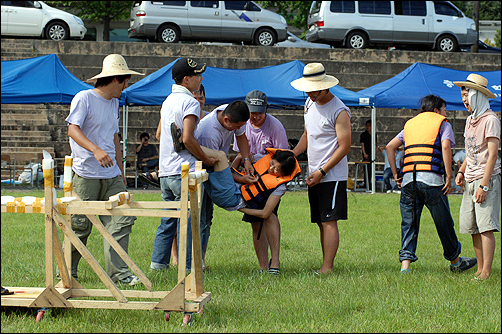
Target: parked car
[(214, 21), (483, 48), (358, 24), (35, 18), (296, 42)]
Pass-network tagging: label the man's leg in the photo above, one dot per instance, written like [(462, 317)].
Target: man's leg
[(329, 243)]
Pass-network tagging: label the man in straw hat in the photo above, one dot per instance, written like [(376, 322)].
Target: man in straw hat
[(179, 116), (327, 136), (480, 172), (93, 128)]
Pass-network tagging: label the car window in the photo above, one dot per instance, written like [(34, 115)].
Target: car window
[(412, 8), (316, 7), (205, 4), (28, 4), (167, 3), (374, 7), (444, 8), (343, 7)]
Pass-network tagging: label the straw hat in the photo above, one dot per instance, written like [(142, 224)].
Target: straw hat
[(314, 79), (477, 82), (113, 65)]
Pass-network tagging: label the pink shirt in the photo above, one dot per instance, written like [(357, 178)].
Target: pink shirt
[(476, 133)]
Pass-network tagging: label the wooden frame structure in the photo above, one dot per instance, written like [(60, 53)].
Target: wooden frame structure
[(188, 294)]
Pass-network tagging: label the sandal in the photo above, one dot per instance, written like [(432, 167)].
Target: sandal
[(6, 291), (148, 178), (176, 136)]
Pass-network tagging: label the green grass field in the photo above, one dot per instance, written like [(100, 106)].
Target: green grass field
[(366, 293)]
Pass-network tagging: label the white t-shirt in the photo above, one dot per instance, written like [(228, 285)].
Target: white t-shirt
[(98, 118), (175, 108), (322, 137), (211, 134)]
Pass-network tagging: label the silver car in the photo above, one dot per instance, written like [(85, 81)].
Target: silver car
[(216, 21)]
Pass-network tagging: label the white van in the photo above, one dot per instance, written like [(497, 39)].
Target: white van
[(358, 24), (36, 18), (215, 21)]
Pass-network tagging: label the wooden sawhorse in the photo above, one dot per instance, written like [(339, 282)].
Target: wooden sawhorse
[(188, 294)]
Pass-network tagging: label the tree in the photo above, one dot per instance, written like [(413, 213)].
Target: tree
[(98, 11), (488, 10), (295, 12)]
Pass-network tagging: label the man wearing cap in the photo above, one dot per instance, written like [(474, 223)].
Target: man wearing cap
[(179, 111), (327, 135), (480, 172), (93, 128), (263, 131), (216, 131)]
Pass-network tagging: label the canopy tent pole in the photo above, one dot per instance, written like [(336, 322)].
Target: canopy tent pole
[(125, 121), (373, 151)]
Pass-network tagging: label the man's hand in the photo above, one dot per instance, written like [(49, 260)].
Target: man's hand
[(248, 167), (103, 158), (248, 178), (314, 178)]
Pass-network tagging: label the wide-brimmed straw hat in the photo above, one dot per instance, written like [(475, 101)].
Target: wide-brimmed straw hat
[(314, 79), (477, 82), (113, 65)]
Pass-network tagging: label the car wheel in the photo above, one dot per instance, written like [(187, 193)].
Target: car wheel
[(57, 31), (447, 43), (265, 37), (357, 40), (168, 34)]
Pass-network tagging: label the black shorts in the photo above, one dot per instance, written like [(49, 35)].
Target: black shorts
[(328, 201), (254, 219)]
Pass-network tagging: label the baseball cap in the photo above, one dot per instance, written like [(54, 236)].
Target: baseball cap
[(187, 67), (256, 101)]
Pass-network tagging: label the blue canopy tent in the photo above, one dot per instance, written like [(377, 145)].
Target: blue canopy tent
[(39, 80), (407, 88), (224, 85)]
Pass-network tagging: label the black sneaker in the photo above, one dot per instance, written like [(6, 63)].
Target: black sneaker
[(464, 263)]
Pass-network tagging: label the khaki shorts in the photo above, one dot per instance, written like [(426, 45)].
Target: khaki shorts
[(480, 217)]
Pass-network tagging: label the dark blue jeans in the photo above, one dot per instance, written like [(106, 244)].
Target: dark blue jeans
[(437, 203), (169, 227), (387, 176)]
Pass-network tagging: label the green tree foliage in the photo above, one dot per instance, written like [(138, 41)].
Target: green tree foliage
[(295, 12), (488, 10), (97, 11)]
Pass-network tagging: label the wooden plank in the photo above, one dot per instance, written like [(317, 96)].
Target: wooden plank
[(197, 304), (124, 212), (50, 298), (182, 238), (120, 251), (58, 253), (197, 285), (90, 259), (127, 293), (174, 300), (49, 226)]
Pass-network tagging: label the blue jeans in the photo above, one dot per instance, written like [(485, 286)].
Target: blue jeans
[(150, 164), (171, 191), (387, 176), (206, 216), (437, 203)]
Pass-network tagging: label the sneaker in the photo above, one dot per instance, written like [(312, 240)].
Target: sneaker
[(389, 191), (464, 263), (396, 191), (131, 280), (405, 271)]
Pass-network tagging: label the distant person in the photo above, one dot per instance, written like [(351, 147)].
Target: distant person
[(327, 135), (366, 143), (147, 153), (427, 140), (480, 173), (93, 129), (387, 171), (263, 131)]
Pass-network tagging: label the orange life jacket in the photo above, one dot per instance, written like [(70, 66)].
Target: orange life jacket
[(423, 151), (256, 194)]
